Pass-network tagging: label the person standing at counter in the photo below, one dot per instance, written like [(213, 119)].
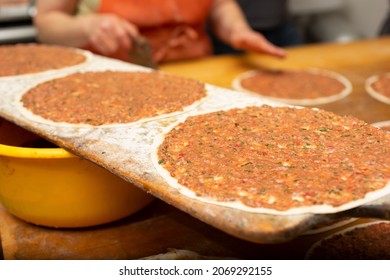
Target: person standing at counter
[(271, 19), (175, 28)]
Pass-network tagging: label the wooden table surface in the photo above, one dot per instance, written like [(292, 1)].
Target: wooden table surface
[(160, 226)]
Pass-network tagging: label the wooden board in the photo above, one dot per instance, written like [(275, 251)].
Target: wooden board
[(155, 230), (125, 150)]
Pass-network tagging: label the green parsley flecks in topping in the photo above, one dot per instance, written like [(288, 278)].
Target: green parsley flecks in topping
[(110, 97), (284, 158)]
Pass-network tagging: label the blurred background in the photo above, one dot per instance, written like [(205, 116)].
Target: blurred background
[(339, 20), (319, 21)]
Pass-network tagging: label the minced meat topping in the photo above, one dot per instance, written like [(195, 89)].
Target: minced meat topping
[(387, 128), (292, 84), (111, 97), (277, 157), (33, 58), (382, 85), (362, 243)]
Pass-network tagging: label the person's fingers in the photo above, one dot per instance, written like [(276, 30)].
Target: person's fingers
[(110, 33), (182, 37), (256, 42), (191, 33), (123, 32), (262, 44), (159, 54), (130, 29), (103, 40)]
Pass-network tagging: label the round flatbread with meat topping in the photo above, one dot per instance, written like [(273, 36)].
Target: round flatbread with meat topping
[(296, 87), (110, 98), (385, 125), (24, 59), (277, 160), (378, 86), (367, 241)]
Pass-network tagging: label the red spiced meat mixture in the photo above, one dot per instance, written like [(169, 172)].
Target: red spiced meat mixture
[(292, 84), (111, 97), (33, 58), (277, 157), (382, 85)]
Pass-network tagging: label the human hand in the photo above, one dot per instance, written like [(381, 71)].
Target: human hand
[(250, 40), (109, 33), (181, 36)]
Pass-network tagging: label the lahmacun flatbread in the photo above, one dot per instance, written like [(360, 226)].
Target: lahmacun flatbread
[(22, 59), (378, 86), (368, 241), (385, 125), (276, 160), (296, 87), (110, 98)]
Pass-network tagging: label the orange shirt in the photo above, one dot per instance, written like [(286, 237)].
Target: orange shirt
[(169, 25)]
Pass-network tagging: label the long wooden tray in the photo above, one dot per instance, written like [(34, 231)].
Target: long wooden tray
[(125, 151)]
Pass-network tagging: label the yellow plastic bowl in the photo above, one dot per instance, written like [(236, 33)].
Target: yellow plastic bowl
[(52, 187)]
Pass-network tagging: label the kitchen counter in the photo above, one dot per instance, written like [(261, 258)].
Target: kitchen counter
[(160, 226), (357, 61)]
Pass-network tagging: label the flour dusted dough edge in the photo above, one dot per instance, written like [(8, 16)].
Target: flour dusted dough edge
[(236, 84), (318, 209), (371, 91)]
